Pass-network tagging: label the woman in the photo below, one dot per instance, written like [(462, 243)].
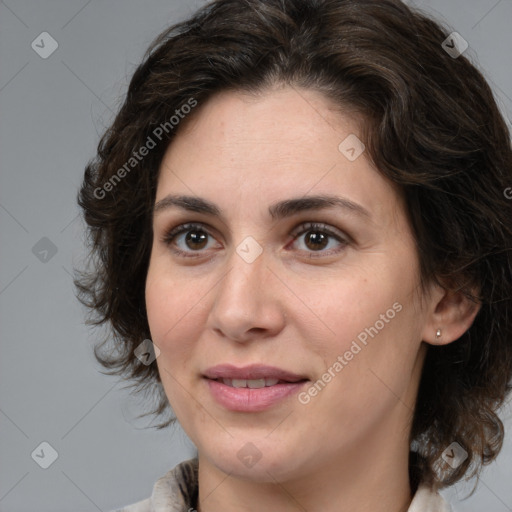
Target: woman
[(302, 239)]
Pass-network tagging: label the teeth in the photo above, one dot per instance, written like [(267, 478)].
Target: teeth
[(250, 383)]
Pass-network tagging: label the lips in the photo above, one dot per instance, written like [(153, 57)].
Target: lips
[(252, 372), (252, 388)]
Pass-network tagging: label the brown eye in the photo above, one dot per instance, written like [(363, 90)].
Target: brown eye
[(187, 239), (196, 239), (318, 237), (316, 240)]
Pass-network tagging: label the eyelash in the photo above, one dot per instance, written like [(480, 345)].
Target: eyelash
[(171, 234)]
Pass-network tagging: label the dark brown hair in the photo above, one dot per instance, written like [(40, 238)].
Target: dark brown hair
[(431, 126)]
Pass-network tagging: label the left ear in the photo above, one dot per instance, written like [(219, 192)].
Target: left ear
[(451, 315)]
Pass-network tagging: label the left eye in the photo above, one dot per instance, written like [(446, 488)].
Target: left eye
[(318, 236), (196, 239)]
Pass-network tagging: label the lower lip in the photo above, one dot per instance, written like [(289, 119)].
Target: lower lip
[(251, 400)]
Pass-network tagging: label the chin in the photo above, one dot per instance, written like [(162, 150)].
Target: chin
[(260, 460)]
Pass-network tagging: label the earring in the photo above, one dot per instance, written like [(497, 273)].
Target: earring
[(438, 333)]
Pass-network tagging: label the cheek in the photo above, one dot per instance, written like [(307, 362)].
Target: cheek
[(367, 365), (370, 316), (348, 302), (172, 310)]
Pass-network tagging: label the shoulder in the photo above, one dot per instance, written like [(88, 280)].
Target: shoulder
[(427, 499)]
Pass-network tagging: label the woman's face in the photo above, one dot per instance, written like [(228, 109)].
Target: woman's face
[(254, 294)]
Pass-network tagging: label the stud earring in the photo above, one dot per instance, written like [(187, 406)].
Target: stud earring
[(438, 333)]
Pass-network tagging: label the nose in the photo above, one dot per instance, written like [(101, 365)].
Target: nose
[(247, 302)]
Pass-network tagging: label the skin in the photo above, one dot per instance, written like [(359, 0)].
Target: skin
[(297, 307)]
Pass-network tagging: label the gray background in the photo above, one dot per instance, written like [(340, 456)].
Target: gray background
[(52, 112)]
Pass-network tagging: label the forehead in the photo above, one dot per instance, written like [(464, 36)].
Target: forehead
[(279, 121), (240, 149)]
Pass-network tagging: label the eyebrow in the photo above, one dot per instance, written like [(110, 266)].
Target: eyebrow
[(279, 210)]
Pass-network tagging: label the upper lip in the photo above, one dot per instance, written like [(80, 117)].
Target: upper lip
[(251, 372)]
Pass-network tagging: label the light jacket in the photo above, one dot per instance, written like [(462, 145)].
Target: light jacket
[(177, 491)]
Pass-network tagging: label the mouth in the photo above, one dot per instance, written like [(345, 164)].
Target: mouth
[(253, 376), (252, 383), (251, 388)]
